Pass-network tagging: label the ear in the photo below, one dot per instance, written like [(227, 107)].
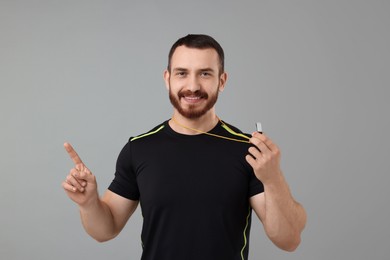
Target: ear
[(222, 81), (166, 78)]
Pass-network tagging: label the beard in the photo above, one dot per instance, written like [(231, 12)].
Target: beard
[(193, 111)]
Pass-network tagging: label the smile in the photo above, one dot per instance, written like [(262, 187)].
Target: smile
[(192, 99)]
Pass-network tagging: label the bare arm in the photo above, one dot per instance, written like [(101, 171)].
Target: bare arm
[(283, 218), (103, 218)]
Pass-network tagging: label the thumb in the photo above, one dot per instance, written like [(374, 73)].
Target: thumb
[(83, 173)]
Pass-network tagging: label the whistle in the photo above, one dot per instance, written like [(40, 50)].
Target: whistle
[(259, 128)]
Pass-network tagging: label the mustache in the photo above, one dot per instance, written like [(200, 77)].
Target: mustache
[(189, 93)]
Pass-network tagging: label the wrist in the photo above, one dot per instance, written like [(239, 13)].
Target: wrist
[(92, 204), (277, 186), (274, 179)]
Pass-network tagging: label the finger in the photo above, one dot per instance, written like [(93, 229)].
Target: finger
[(252, 161), (265, 139), (83, 175), (260, 145), (74, 182), (255, 153), (72, 153), (76, 175), (68, 187)]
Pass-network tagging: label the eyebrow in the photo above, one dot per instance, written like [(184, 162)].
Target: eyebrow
[(207, 69), (179, 69), (184, 69)]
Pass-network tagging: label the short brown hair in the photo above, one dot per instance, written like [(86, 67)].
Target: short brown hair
[(199, 41)]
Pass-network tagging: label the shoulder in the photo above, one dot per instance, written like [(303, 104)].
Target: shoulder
[(153, 131), (234, 128), (234, 131), (141, 143)]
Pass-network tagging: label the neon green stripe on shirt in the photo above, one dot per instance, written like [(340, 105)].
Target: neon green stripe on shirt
[(234, 133), (147, 134)]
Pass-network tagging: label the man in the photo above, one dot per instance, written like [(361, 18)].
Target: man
[(196, 177)]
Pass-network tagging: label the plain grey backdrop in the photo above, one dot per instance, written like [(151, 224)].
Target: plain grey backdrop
[(315, 73)]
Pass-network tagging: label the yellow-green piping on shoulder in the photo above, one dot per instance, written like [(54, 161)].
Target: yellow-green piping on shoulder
[(147, 134), (234, 133)]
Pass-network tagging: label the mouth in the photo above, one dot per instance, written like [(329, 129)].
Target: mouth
[(193, 97)]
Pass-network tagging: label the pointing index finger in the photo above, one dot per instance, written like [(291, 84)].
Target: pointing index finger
[(72, 153)]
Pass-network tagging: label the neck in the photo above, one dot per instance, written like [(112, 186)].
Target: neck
[(195, 126)]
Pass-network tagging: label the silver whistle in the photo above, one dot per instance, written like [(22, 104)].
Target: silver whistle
[(259, 128)]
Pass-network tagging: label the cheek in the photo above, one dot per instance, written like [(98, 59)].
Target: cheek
[(177, 86)]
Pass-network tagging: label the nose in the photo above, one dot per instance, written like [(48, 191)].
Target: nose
[(193, 83)]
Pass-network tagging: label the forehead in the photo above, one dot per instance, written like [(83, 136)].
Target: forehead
[(185, 57)]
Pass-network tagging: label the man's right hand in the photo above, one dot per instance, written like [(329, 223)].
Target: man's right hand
[(80, 184)]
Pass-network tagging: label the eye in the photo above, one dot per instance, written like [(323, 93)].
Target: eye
[(181, 74), (205, 74)]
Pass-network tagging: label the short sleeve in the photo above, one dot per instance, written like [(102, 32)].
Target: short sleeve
[(255, 185), (125, 181)]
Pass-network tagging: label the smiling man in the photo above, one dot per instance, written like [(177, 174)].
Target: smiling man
[(194, 86), (196, 177)]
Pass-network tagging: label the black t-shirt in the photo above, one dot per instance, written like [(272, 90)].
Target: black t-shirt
[(193, 190)]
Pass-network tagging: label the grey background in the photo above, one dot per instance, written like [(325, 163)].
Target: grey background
[(315, 73)]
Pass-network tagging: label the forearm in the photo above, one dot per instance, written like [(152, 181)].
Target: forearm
[(98, 221), (284, 217)]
